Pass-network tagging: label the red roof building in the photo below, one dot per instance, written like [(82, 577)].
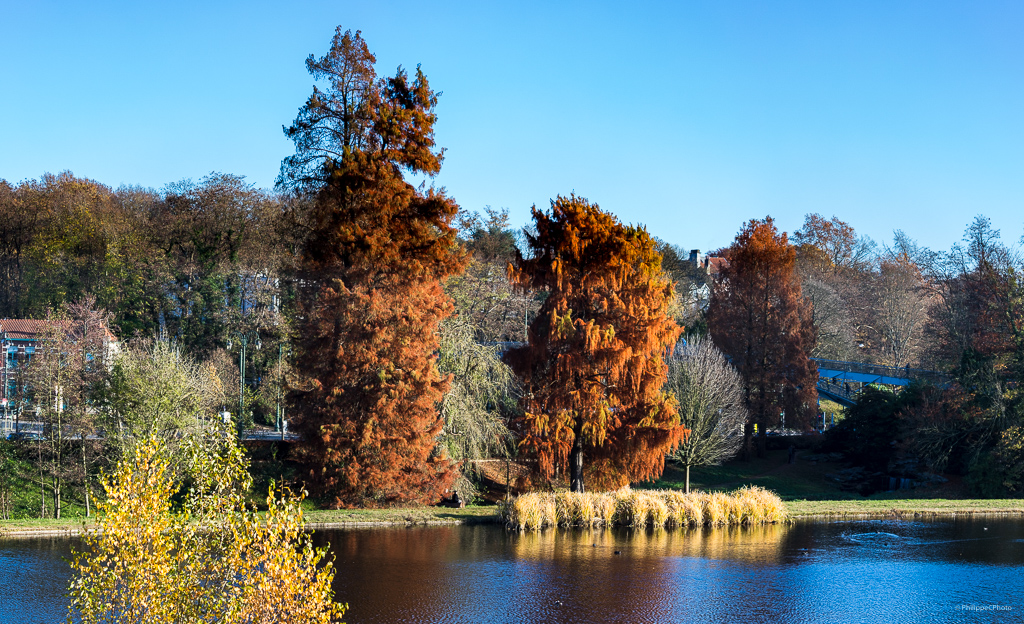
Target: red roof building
[(19, 339), (712, 265)]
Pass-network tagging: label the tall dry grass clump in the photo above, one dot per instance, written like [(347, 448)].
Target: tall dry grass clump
[(684, 510), (604, 508), (641, 508), (575, 509), (533, 510), (761, 505), (717, 508)]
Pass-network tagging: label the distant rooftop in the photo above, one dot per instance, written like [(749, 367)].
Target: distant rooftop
[(712, 265), (30, 329)]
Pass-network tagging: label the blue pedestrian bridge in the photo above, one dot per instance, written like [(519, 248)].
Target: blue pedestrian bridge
[(842, 381)]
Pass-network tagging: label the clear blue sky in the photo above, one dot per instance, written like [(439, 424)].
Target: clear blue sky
[(689, 117)]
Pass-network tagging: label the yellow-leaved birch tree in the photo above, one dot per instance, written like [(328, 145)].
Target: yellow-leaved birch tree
[(214, 560)]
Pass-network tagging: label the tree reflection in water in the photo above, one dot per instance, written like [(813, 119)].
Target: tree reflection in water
[(852, 571), (787, 572)]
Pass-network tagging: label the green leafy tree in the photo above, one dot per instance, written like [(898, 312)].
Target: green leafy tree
[(155, 391), (871, 429), (223, 261), (978, 320), (1008, 462), (481, 399)]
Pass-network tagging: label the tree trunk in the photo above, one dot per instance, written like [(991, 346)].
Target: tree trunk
[(576, 459), (85, 479), (748, 432), (687, 478), (55, 487), (42, 486)]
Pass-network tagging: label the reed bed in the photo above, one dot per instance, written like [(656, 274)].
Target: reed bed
[(643, 508)]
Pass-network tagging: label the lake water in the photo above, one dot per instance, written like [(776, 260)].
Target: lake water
[(969, 570)]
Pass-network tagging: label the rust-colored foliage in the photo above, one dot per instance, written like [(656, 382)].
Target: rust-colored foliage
[(593, 370), (370, 297), (992, 311), (831, 247), (760, 320)]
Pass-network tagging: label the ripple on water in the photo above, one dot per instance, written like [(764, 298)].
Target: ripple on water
[(876, 538)]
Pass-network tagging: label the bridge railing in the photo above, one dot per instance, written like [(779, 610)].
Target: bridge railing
[(9, 426), (882, 370), (843, 393), (34, 429)]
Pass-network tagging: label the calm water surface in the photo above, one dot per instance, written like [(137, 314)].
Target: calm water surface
[(968, 570)]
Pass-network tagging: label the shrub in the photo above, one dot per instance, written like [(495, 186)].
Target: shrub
[(215, 560), (641, 508)]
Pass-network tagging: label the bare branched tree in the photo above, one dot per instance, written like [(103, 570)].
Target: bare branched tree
[(901, 310), (833, 245), (832, 320), (482, 294), (710, 396), (68, 365)]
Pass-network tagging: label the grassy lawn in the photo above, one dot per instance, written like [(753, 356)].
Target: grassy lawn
[(313, 517), (415, 515), (30, 526), (878, 507), (799, 481), (808, 491), (893, 507), (804, 486)]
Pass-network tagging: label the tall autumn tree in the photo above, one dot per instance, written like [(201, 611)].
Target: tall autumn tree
[(761, 321), (368, 390), (835, 269), (20, 223), (832, 245), (593, 369)]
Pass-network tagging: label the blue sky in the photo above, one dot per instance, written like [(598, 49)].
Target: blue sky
[(689, 117)]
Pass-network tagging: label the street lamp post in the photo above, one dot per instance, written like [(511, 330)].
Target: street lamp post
[(280, 386), (241, 376), (243, 338)]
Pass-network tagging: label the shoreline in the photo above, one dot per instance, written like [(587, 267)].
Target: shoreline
[(905, 509), (928, 508)]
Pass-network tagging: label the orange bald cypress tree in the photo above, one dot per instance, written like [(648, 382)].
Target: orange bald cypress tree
[(593, 370), (759, 318), (369, 288)]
